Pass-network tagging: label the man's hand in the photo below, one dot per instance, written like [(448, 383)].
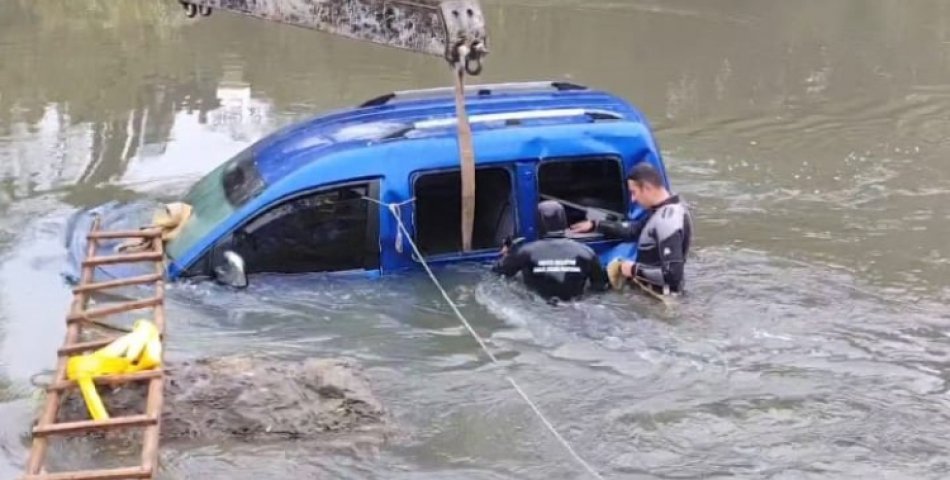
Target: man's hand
[(628, 269), (504, 251), (582, 227)]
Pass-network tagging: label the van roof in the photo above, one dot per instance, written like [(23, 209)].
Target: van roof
[(418, 114)]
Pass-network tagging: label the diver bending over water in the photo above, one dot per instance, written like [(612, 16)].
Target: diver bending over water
[(554, 266), (663, 238)]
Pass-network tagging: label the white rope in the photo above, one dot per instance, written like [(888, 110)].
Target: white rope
[(393, 208)]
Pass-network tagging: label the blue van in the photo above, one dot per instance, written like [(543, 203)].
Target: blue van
[(307, 198)]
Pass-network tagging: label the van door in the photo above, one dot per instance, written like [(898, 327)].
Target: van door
[(333, 229)]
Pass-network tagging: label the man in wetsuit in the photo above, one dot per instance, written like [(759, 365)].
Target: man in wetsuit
[(553, 266), (663, 238)]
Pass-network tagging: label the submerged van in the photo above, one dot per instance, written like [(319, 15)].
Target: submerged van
[(307, 198)]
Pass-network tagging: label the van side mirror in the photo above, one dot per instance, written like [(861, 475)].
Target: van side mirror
[(229, 270)]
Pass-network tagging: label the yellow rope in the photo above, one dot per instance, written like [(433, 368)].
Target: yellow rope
[(618, 280), (651, 292), (171, 220)]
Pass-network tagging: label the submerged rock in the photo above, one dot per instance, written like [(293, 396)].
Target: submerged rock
[(243, 397)]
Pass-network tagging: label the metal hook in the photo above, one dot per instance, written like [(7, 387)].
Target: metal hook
[(477, 69), (190, 9)]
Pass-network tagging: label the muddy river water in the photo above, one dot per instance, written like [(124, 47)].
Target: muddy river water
[(812, 139)]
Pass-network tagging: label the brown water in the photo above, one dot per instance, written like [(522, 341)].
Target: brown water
[(811, 138)]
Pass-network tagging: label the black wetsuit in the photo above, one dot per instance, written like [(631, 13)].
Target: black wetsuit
[(554, 267), (663, 241)]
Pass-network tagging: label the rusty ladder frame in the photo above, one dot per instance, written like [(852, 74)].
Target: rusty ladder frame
[(80, 315)]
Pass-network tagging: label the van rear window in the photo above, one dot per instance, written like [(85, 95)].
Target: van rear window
[(438, 218), (589, 181)]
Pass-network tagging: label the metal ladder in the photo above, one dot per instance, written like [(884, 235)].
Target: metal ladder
[(82, 316)]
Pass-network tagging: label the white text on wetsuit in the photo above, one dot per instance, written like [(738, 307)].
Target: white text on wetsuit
[(556, 266)]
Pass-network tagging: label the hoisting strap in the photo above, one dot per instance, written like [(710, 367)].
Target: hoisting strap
[(466, 153)]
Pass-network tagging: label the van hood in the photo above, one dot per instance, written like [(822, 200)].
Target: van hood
[(114, 216)]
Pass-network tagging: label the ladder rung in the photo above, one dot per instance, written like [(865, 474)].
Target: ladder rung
[(109, 474), (91, 345), (122, 282), (143, 233), (123, 258), (85, 346), (117, 379), (115, 308), (91, 425)]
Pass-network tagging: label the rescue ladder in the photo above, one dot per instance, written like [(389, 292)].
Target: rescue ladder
[(82, 315)]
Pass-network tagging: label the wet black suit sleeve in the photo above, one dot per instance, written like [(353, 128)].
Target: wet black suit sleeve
[(627, 230), (509, 265), (598, 276)]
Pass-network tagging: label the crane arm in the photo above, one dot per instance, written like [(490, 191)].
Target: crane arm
[(433, 27)]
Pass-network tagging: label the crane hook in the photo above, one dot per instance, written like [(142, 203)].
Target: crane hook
[(190, 9), (471, 56), (468, 58), (469, 68)]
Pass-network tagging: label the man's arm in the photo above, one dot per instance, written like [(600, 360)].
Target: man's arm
[(598, 276), (627, 230), (510, 263)]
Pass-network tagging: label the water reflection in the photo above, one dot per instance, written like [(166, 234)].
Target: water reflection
[(119, 75)]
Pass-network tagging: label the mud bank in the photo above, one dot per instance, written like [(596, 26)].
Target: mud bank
[(252, 398)]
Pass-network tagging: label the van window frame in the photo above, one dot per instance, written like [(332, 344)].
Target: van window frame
[(371, 245), (625, 195), (509, 167)]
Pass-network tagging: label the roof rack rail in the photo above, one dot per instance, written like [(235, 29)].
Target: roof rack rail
[(515, 118), (509, 119), (481, 90)]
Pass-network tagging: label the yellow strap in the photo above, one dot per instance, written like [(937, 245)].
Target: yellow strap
[(91, 396), (133, 352)]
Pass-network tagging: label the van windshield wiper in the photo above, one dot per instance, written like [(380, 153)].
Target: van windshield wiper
[(593, 213)]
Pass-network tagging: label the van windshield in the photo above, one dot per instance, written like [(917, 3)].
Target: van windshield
[(216, 196)]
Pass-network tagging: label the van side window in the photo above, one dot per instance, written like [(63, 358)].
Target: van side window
[(438, 216), (320, 232), (590, 181)]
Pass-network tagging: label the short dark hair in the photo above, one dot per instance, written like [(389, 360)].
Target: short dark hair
[(643, 173)]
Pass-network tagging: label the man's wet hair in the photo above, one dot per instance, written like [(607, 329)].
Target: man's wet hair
[(644, 173)]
